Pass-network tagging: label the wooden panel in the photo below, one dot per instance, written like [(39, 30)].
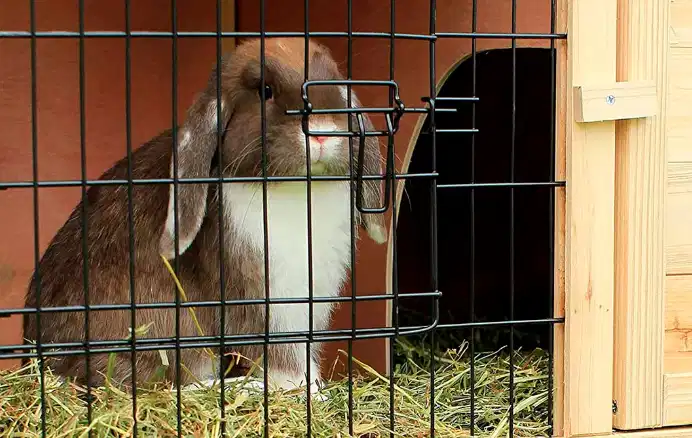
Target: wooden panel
[(678, 225), (680, 176), (678, 214), (679, 131), (640, 188), (678, 340), (668, 432), (678, 150), (678, 324), (560, 220), (677, 399), (622, 100), (589, 224), (679, 114), (677, 362), (681, 23)]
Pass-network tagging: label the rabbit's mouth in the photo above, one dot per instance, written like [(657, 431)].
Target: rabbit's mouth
[(323, 167), (318, 168)]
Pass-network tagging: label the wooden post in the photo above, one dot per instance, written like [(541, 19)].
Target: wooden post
[(561, 48), (589, 239), (640, 187)]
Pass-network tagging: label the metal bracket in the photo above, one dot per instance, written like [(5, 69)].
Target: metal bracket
[(389, 168), (392, 117)]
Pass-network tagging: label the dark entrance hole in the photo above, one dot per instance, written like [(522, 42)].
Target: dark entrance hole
[(491, 234)]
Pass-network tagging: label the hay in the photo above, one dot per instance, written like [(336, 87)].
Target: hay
[(20, 406)]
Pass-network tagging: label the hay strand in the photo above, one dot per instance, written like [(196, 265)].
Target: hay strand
[(20, 411)]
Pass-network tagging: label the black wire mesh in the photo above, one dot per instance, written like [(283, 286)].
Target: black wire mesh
[(391, 178)]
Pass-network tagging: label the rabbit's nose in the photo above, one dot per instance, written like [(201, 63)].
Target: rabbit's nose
[(317, 146), (317, 151)]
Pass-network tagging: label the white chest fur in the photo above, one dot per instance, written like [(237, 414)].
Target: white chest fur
[(288, 243)]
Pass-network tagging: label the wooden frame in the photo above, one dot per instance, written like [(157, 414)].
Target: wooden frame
[(640, 177), (589, 225), (612, 214), (672, 432)]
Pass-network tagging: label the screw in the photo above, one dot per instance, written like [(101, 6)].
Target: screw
[(615, 407), (610, 99)]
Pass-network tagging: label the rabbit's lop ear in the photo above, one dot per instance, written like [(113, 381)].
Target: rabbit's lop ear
[(197, 142), (372, 188)]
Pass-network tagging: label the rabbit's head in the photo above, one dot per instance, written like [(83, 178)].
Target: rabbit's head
[(235, 123)]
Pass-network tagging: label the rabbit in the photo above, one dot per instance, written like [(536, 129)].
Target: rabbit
[(199, 206)]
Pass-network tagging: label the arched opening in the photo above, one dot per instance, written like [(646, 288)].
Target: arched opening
[(486, 269)]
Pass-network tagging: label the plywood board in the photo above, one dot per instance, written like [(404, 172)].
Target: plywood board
[(589, 227), (640, 189), (560, 220), (666, 432), (681, 23), (679, 137), (677, 399), (679, 114), (679, 225), (678, 324)]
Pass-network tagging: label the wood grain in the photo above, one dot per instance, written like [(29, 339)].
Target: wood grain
[(678, 247), (678, 324), (678, 214), (668, 432), (678, 229), (640, 189), (589, 226), (677, 399), (561, 83)]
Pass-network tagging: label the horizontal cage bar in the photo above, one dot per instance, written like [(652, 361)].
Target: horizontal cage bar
[(202, 34)]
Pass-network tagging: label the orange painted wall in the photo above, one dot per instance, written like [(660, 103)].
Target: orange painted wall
[(58, 103)]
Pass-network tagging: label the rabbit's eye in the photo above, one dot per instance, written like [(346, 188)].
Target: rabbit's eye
[(267, 92)]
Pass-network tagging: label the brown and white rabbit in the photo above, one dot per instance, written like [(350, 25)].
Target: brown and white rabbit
[(61, 267)]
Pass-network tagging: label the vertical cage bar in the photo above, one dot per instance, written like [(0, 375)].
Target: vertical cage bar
[(222, 230), (472, 237), (349, 76), (130, 213), (35, 187), (433, 207), (512, 219), (308, 344), (395, 285), (84, 212), (263, 113), (176, 239)]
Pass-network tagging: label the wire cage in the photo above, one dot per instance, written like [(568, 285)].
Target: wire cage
[(450, 116)]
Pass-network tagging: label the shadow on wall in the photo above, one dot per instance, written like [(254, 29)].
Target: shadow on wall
[(490, 276)]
